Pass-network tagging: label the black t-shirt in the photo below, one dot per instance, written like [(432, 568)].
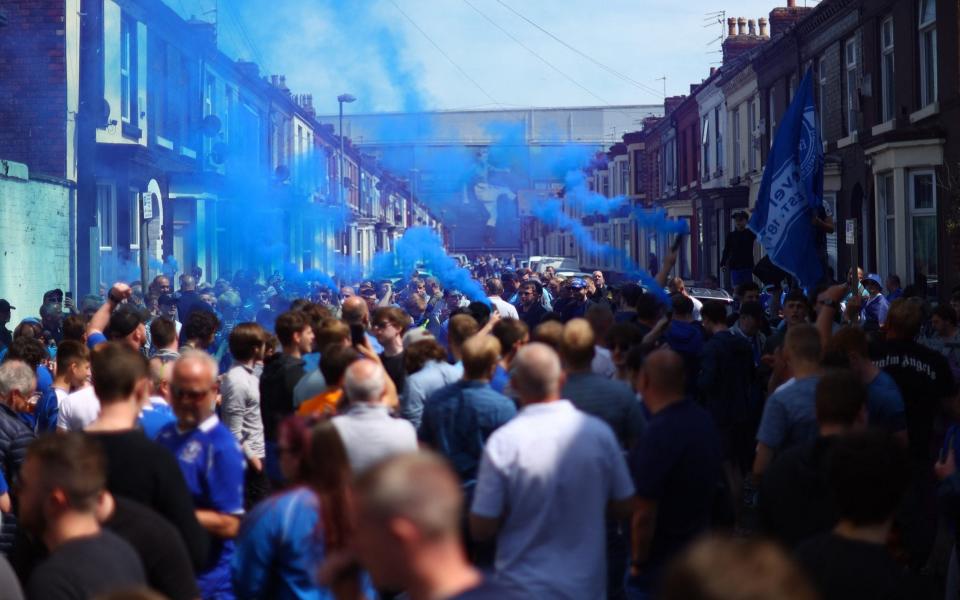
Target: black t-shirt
[(148, 473), (393, 365), (844, 569), (85, 567), (924, 379), (795, 498), (160, 548)]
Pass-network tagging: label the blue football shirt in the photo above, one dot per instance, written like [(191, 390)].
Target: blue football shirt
[(212, 464)]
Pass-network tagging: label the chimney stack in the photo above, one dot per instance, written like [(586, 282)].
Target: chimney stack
[(763, 26), (731, 26), (741, 26), (752, 27), (791, 3), (712, 71)]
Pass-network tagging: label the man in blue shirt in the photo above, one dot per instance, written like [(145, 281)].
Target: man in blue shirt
[(676, 468), (790, 415), (458, 418), (607, 399), (212, 464)]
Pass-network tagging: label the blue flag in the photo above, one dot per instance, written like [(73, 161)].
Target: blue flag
[(791, 191)]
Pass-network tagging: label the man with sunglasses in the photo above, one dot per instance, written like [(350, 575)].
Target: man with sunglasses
[(389, 323), (212, 463)]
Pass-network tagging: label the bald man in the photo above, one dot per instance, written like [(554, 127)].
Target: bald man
[(530, 494), (211, 461), (369, 433), (354, 311), (676, 468)]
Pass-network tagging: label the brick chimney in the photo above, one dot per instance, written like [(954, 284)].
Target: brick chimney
[(743, 40), (250, 69), (671, 104), (203, 32), (785, 17)]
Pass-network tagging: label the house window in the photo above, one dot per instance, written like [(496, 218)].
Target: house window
[(624, 177), (106, 216), (210, 96), (128, 70), (752, 127), (850, 52), (736, 142), (886, 204), (773, 116), (706, 148), (886, 70), (928, 52), (923, 228), (822, 76), (719, 139), (134, 219)]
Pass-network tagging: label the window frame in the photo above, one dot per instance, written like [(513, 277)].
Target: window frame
[(107, 231), (914, 213), (928, 90), (887, 62), (751, 141), (128, 71), (705, 142), (850, 65), (718, 139), (737, 146), (135, 208)]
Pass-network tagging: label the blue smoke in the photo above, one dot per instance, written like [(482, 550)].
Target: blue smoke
[(421, 248)]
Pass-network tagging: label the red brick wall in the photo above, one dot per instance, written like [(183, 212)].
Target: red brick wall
[(33, 85)]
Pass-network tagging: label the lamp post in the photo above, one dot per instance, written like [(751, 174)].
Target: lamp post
[(341, 99)]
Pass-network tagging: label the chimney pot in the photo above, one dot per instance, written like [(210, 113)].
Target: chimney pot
[(763, 26), (741, 26), (791, 3), (713, 70), (731, 26), (752, 27)]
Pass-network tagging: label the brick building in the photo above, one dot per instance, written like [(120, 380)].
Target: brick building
[(138, 111)]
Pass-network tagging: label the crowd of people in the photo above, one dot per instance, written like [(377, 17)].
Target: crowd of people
[(553, 438)]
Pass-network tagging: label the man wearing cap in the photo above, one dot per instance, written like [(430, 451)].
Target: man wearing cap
[(578, 303), (737, 255), (118, 321), (875, 307), (6, 337)]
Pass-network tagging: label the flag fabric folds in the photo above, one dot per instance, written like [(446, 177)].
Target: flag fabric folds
[(791, 191)]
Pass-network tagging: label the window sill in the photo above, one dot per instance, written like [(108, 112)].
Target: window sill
[(164, 143), (848, 141), (925, 112), (131, 131), (885, 127), (188, 152)]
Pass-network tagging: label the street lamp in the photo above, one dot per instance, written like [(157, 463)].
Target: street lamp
[(341, 99)]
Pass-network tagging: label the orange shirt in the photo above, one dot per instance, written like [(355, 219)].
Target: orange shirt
[(325, 402)]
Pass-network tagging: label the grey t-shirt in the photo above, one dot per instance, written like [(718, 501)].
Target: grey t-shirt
[(370, 435)]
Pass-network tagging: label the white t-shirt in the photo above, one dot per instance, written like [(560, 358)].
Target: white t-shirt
[(697, 306), (503, 307), (550, 472), (78, 410)]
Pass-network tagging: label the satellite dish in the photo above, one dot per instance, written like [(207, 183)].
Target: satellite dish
[(218, 154), (152, 196), (211, 125)]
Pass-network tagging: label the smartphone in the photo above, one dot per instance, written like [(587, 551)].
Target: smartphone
[(358, 336), (70, 295)]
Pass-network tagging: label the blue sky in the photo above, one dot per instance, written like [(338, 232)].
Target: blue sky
[(369, 48)]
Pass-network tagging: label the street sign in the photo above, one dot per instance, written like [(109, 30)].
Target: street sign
[(851, 236), (153, 194)]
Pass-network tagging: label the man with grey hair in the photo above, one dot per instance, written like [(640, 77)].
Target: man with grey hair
[(17, 384), (549, 526), (408, 531), (369, 432)]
